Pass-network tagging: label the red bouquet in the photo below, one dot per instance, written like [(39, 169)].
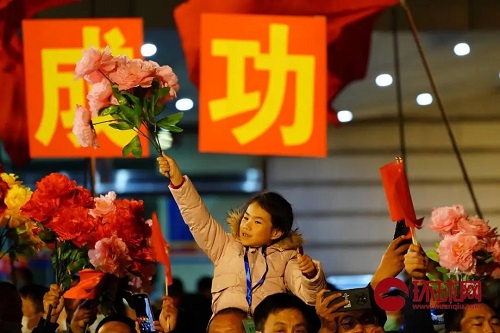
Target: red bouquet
[(103, 233)]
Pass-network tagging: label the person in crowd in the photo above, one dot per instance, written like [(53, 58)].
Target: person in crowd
[(284, 313), (475, 317), (363, 321), (11, 312), (85, 315), (32, 298), (335, 321), (204, 287), (228, 320), (258, 258)]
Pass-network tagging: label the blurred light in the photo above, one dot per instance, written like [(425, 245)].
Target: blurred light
[(461, 49), (148, 50), (344, 116), (184, 104), (251, 183), (121, 180), (165, 138), (383, 80), (424, 99)]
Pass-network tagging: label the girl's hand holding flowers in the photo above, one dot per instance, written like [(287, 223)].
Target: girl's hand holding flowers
[(169, 168)]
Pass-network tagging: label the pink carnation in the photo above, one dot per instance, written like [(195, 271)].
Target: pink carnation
[(99, 95), (456, 251), (445, 219), (83, 128), (168, 79), (132, 73), (91, 60), (104, 204), (474, 226), (111, 256)]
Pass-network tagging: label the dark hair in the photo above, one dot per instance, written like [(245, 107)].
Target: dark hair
[(35, 292), (122, 319), (236, 311), (204, 283), (278, 207), (277, 302), (10, 303), (489, 292)]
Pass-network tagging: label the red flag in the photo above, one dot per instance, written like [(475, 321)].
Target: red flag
[(350, 24), (160, 248), (398, 194), (13, 117), (87, 287)]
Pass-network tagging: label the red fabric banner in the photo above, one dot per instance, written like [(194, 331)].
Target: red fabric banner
[(13, 116), (350, 24)]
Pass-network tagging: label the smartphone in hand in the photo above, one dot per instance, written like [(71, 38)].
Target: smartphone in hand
[(144, 313)]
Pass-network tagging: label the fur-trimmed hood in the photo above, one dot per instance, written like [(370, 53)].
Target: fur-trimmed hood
[(291, 242)]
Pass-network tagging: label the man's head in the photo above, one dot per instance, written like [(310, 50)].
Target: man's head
[(116, 324), (32, 297), (359, 321), (475, 318), (282, 313), (228, 320)]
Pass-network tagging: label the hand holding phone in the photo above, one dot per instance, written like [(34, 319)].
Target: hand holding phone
[(144, 313), (357, 299)]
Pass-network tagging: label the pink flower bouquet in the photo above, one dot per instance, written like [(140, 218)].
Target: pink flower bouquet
[(469, 247), (132, 91)]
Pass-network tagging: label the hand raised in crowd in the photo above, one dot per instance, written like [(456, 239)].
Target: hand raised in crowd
[(326, 314), (169, 168), (392, 262), (53, 300), (85, 314), (416, 262), (307, 266), (168, 315)]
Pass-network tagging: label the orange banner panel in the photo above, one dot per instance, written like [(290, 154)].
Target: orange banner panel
[(51, 50), (263, 85)]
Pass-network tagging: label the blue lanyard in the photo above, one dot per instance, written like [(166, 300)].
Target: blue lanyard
[(250, 289)]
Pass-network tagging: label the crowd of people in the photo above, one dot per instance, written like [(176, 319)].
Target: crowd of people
[(262, 282)]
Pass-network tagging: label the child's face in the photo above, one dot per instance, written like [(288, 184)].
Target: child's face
[(256, 228)]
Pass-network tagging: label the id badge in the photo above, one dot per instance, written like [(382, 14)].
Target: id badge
[(249, 325)]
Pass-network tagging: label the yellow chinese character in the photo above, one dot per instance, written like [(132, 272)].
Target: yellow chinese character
[(278, 62), (54, 81)]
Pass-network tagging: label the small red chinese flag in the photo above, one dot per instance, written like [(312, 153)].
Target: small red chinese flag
[(88, 285), (160, 248), (398, 194)]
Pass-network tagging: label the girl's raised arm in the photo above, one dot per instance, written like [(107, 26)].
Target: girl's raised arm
[(207, 232)]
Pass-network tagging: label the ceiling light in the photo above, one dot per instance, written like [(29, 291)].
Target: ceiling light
[(383, 80), (461, 49), (344, 116), (184, 104), (424, 99), (148, 50)]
